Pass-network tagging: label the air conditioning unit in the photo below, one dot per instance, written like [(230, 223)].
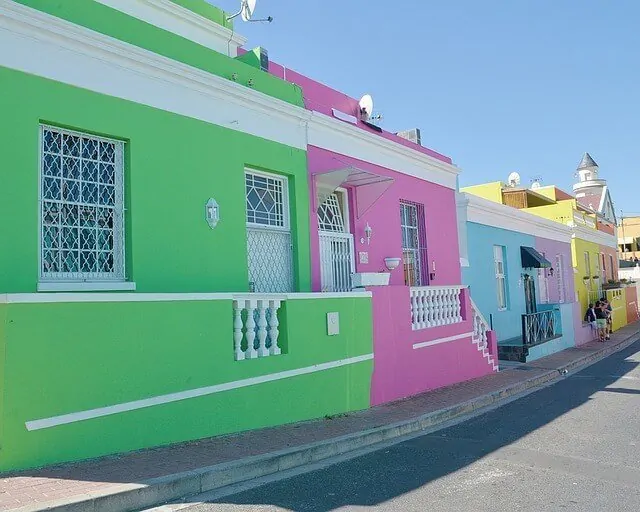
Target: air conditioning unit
[(413, 135)]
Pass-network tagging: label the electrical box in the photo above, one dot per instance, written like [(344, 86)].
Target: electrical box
[(333, 324)]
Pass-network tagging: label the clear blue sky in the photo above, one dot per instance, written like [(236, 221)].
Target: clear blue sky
[(498, 85)]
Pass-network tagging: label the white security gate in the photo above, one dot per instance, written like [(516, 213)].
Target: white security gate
[(336, 244), (269, 244), (336, 261)]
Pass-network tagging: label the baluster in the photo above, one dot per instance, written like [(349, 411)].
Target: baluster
[(274, 306), (421, 313), (438, 309), (262, 330), (237, 331), (427, 308), (414, 308), (448, 310), (458, 305), (250, 332)]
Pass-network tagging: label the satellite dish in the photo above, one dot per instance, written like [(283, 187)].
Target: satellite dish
[(247, 7), (366, 106), (535, 185), (514, 179)]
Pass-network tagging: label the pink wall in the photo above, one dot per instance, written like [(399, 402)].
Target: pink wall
[(583, 333), (384, 218), (399, 369), (551, 248), (322, 98)]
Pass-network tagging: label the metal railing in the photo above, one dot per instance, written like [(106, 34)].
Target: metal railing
[(540, 327)]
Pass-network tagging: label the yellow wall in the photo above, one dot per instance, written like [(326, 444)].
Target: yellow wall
[(617, 299), (561, 212), (578, 248), (490, 191)]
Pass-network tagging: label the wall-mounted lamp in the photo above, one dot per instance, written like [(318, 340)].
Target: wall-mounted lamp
[(212, 213), (368, 231), (391, 263), (551, 271)]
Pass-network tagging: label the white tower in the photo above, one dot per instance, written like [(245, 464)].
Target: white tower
[(587, 174)]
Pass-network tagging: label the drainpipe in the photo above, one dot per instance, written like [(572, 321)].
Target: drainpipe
[(491, 321)]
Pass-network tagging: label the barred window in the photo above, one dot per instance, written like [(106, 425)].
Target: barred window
[(82, 207), (414, 249), (266, 200)]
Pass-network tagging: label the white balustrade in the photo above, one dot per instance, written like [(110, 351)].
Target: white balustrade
[(480, 327), (432, 306), (255, 328)]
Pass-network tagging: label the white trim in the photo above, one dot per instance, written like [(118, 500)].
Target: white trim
[(74, 417), (490, 213), (424, 344), (86, 286), (329, 133), (50, 47), (596, 237), (48, 298), (174, 18)]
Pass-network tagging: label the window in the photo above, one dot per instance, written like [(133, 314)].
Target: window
[(560, 278), (501, 276), (81, 207), (611, 267), (413, 243), (332, 213), (269, 247), (587, 269)]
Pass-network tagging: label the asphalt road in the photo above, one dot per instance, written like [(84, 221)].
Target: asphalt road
[(572, 446)]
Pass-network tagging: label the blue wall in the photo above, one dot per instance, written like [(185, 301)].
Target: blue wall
[(480, 276)]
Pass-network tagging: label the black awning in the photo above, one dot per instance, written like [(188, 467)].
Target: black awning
[(533, 259)]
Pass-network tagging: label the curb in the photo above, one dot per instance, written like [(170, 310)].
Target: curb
[(155, 492)]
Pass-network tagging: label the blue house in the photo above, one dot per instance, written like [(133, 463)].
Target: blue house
[(518, 268)]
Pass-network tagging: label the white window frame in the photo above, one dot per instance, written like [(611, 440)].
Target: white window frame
[(500, 276), (612, 265), (421, 238), (285, 201), (343, 200), (86, 281)]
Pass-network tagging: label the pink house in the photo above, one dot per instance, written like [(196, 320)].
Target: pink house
[(383, 217)]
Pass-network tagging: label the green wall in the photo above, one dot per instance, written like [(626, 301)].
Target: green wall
[(173, 165), (64, 357), (108, 21), (3, 320)]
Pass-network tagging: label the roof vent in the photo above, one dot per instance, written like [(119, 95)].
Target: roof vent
[(412, 135)]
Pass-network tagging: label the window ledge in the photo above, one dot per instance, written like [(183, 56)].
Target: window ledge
[(87, 286)]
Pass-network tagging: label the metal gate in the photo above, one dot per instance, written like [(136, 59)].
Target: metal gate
[(336, 261)]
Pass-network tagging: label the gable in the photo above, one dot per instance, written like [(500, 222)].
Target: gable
[(606, 208)]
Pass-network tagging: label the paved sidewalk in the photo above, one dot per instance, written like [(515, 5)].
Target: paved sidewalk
[(60, 487)]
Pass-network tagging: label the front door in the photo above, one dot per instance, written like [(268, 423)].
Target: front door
[(336, 243), (530, 294)]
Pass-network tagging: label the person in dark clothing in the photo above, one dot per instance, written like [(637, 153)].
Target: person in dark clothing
[(601, 320), (608, 310)]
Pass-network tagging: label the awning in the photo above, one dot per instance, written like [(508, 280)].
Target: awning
[(533, 259), (368, 186)]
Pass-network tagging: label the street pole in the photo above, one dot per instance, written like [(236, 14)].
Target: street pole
[(624, 241)]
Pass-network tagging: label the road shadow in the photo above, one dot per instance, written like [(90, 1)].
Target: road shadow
[(378, 477)]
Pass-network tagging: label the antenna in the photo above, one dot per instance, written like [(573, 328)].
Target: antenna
[(246, 12), (514, 179), (366, 107)]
